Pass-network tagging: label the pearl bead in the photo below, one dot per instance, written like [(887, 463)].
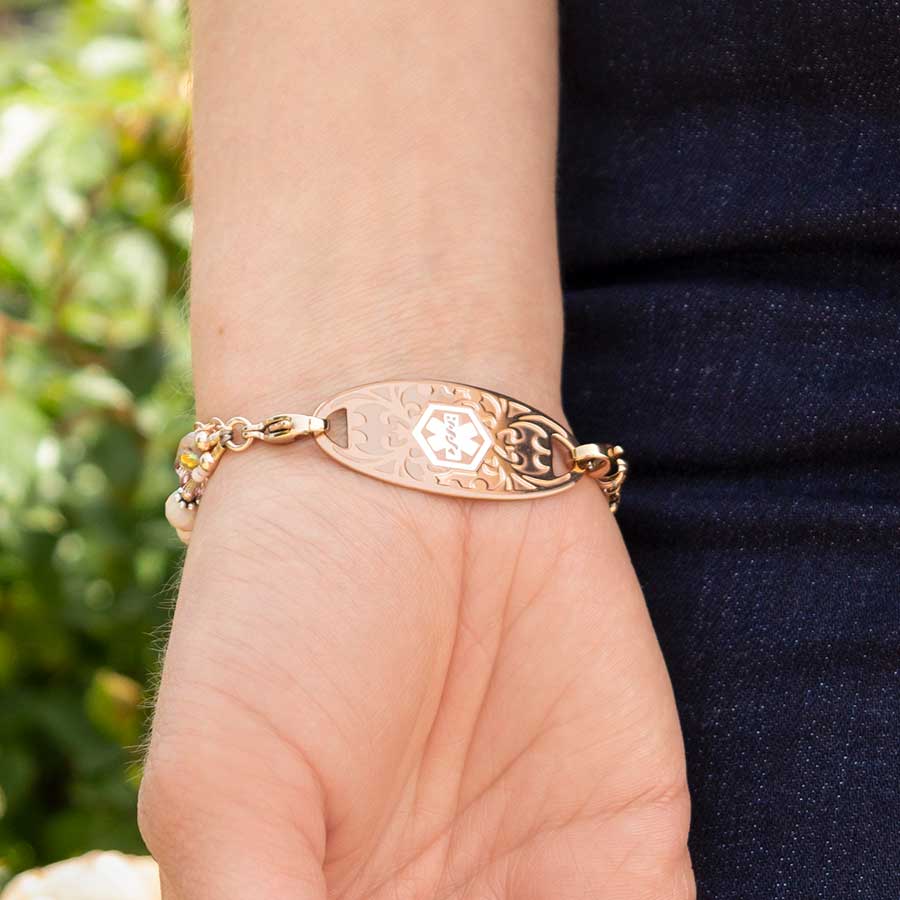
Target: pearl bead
[(202, 440), (199, 475), (180, 518)]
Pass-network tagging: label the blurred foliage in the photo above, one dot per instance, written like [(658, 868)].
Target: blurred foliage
[(94, 394)]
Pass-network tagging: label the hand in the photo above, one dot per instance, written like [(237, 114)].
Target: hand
[(371, 692)]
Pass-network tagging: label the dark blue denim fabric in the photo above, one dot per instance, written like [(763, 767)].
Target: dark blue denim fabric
[(730, 237)]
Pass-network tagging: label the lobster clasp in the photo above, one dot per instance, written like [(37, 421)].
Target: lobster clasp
[(284, 428)]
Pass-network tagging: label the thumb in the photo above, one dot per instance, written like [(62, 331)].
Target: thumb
[(222, 831)]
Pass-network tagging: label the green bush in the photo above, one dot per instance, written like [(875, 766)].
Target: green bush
[(94, 394)]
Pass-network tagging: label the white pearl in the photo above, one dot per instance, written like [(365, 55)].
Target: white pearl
[(180, 518)]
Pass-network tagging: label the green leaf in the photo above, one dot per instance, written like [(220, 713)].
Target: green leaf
[(113, 704), (19, 461)]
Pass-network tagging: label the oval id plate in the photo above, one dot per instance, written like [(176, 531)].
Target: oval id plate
[(447, 438)]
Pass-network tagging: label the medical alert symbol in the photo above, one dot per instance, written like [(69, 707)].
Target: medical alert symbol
[(452, 437)]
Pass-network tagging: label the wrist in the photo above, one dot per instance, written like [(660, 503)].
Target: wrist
[(249, 367)]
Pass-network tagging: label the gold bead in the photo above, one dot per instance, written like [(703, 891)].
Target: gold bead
[(189, 459)]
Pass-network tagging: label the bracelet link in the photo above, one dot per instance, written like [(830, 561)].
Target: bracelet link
[(438, 436), (606, 465)]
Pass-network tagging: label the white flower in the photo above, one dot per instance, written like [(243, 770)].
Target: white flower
[(94, 876)]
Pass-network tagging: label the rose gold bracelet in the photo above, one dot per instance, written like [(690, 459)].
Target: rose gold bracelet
[(435, 436)]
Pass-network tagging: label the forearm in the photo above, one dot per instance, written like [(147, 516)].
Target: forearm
[(360, 677), (374, 198)]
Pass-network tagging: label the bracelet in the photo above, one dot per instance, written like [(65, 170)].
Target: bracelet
[(435, 436)]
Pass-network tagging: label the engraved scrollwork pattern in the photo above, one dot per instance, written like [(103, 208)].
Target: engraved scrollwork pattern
[(388, 435)]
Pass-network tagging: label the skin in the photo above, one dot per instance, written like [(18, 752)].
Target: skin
[(371, 692)]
